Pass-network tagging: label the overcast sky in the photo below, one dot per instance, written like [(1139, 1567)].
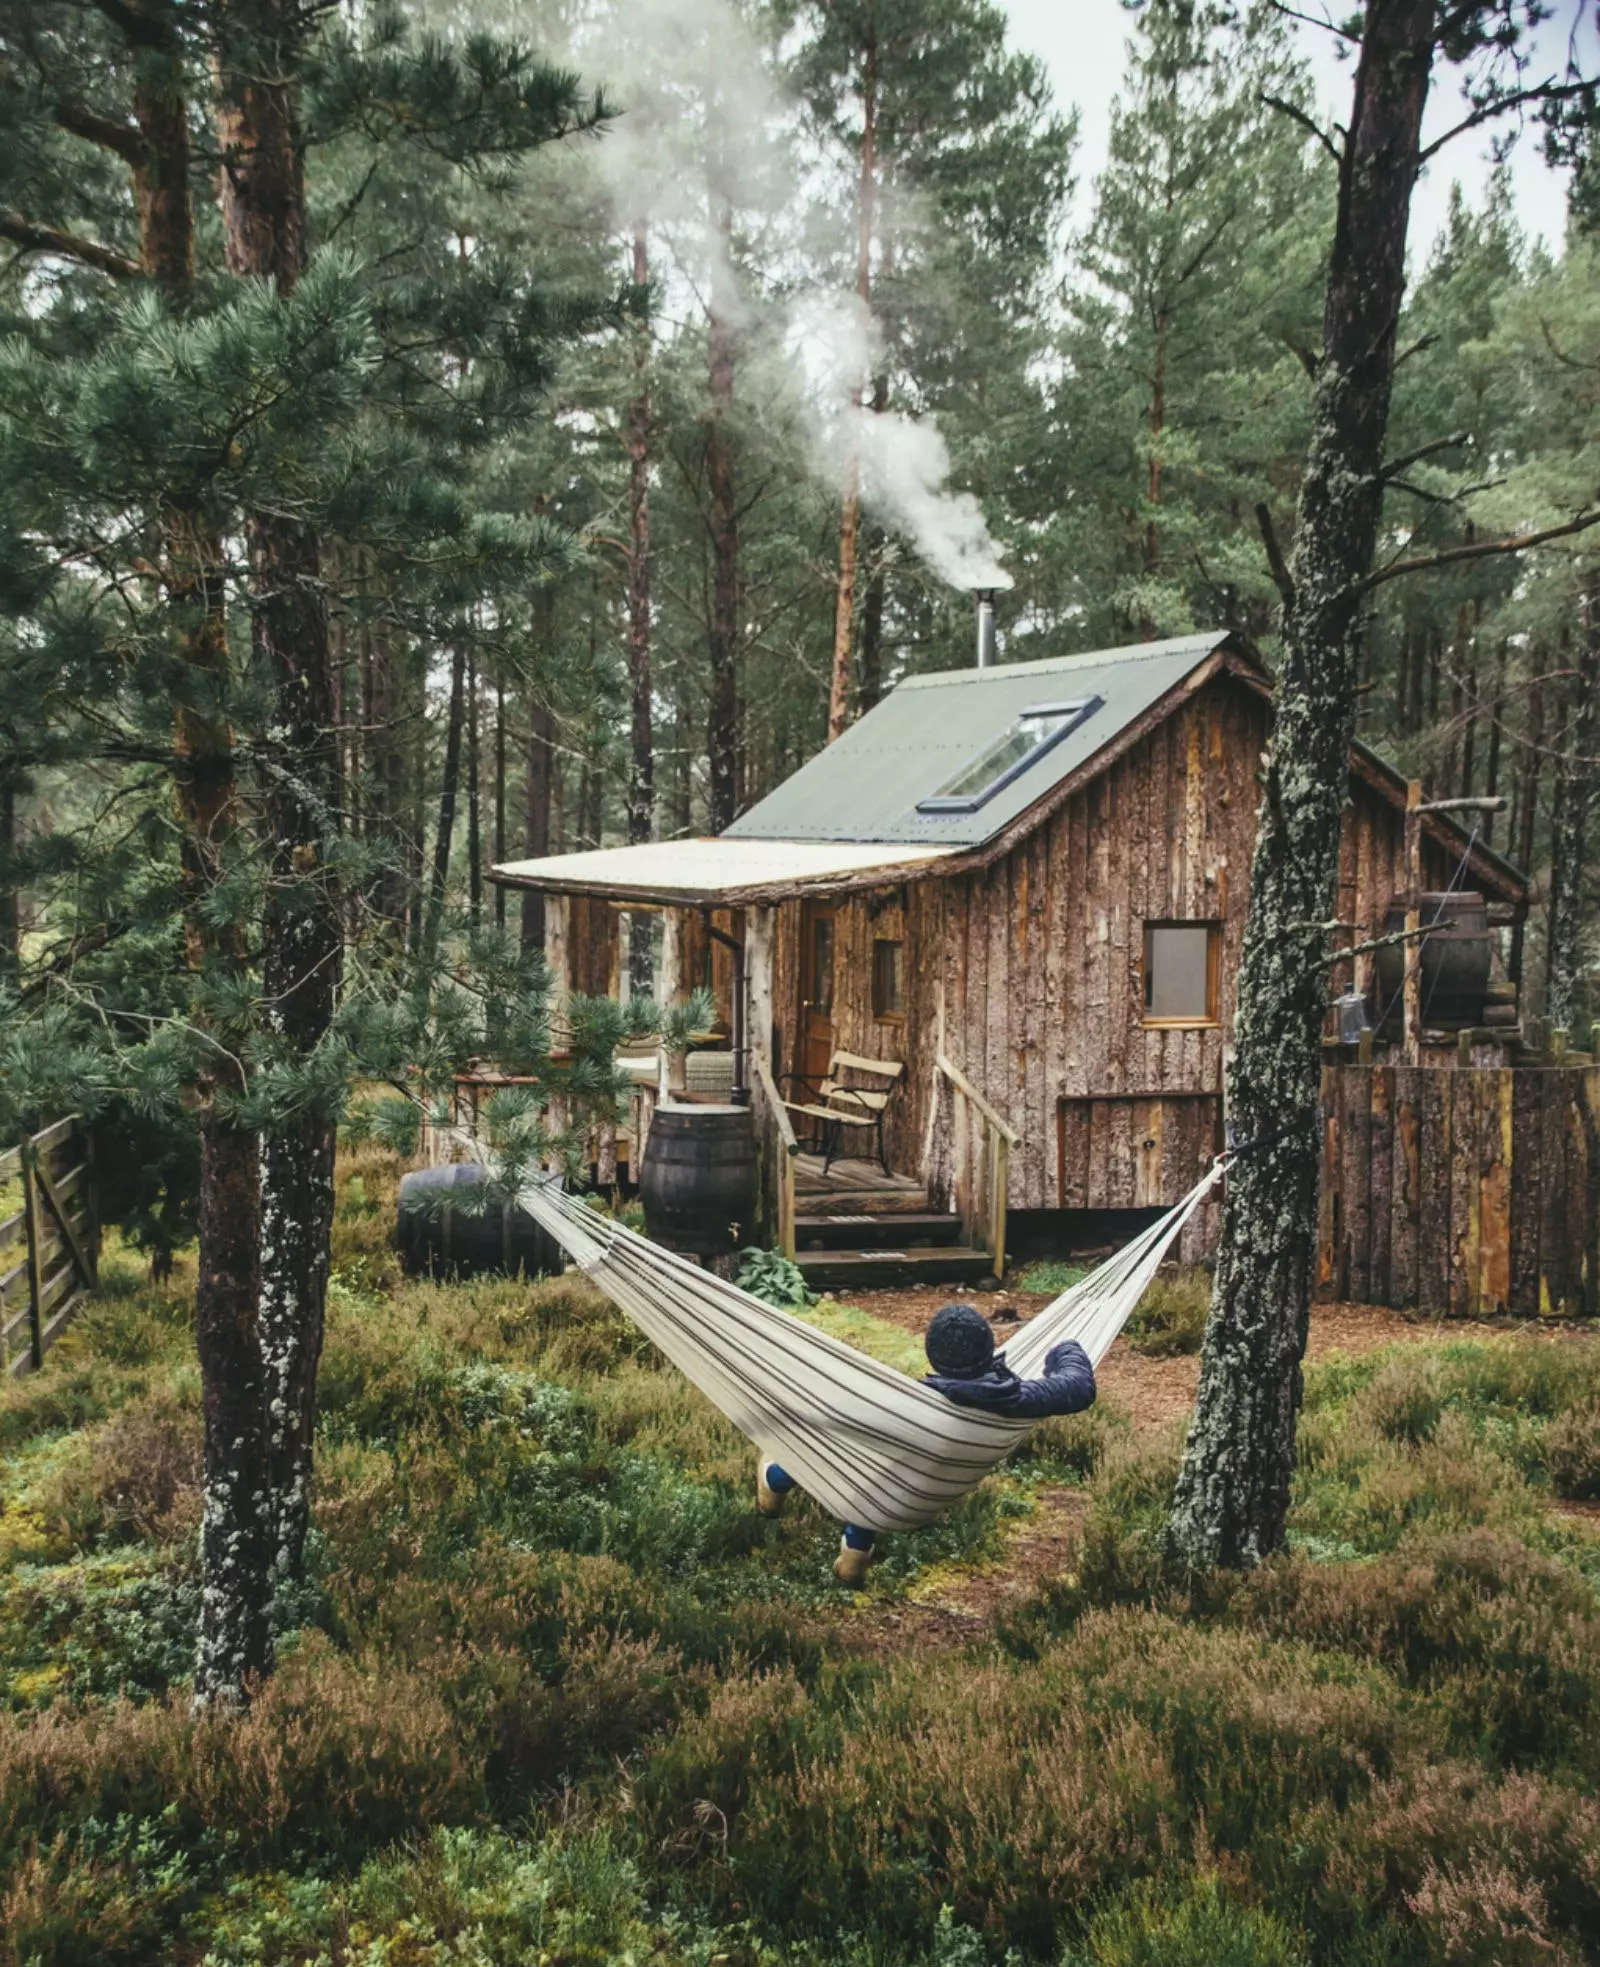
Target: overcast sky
[(1082, 42)]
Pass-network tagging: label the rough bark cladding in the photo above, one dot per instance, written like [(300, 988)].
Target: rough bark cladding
[(1029, 973)]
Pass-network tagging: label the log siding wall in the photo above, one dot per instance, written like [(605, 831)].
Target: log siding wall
[(1028, 973)]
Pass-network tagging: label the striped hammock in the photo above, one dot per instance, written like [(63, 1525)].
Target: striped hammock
[(873, 1446)]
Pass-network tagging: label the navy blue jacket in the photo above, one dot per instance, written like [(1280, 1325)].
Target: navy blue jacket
[(1067, 1386)]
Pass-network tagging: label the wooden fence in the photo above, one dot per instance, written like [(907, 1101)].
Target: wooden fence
[(50, 1245), (1472, 1190)]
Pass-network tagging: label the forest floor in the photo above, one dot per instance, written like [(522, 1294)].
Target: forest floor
[(553, 1692)]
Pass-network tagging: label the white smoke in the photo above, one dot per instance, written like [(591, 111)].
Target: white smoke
[(904, 462), (694, 88)]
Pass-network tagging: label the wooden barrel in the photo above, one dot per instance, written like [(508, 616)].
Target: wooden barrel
[(698, 1178), (1456, 961), (444, 1229)]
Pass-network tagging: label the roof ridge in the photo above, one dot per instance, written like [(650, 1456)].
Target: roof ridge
[(1202, 641)]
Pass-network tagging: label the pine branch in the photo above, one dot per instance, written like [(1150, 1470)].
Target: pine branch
[(1278, 566), (67, 245), (1307, 123), (1486, 112), (1479, 550), (1392, 470), (124, 139)]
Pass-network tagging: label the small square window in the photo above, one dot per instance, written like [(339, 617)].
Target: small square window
[(888, 979), (1181, 961)]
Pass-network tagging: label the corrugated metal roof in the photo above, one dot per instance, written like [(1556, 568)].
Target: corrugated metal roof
[(722, 870), (866, 785)]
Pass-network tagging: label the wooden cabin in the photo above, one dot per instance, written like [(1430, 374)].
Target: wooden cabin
[(1028, 884)]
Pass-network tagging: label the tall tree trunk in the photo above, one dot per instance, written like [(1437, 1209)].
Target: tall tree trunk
[(1467, 669), (10, 895), (1497, 712), (850, 513), (642, 763), (264, 232), (1525, 827), (536, 816), (499, 796), (474, 802), (237, 1537), (1576, 781), (1233, 1489), (722, 729), (684, 747), (1152, 490), (449, 787), (869, 687), (387, 819), (538, 785)]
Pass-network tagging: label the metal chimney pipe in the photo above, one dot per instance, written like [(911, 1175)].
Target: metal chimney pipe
[(986, 628)]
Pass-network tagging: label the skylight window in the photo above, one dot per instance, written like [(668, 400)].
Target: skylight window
[(1031, 734)]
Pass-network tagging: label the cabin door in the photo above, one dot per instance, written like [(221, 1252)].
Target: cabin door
[(816, 990)]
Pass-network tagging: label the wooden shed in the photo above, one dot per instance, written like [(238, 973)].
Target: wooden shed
[(1027, 884)]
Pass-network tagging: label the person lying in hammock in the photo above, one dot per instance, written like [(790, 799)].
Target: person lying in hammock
[(960, 1348)]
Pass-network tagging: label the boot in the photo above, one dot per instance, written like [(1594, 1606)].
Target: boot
[(851, 1566), (769, 1501)]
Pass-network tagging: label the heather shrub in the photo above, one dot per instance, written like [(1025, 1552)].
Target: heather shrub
[(1483, 1869), (1505, 1640), (1191, 1924), (1172, 1314), (882, 1799), (1251, 1729), (1360, 1492), (331, 1761), (1015, 1792), (1075, 1445), (135, 1477), (1572, 1452)]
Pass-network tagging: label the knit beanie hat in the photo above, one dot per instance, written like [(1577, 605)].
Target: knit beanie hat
[(959, 1340)]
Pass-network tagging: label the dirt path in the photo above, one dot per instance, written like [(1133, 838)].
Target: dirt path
[(955, 1608)]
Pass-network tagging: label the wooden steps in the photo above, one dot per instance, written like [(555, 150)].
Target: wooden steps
[(839, 1229), (844, 1271), (858, 1229)]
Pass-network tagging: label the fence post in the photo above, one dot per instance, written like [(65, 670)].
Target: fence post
[(35, 1227), (91, 1205)]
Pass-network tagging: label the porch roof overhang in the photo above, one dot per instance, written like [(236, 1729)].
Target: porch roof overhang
[(719, 873)]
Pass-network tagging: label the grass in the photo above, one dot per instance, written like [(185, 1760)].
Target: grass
[(553, 1692)]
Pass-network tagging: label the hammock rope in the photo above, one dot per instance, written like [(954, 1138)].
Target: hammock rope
[(873, 1446)]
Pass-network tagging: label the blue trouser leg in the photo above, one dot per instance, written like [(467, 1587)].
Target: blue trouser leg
[(780, 1482)]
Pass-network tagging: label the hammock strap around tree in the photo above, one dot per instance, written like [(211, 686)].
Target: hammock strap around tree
[(872, 1445)]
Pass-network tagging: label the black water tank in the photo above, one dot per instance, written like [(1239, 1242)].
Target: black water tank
[(448, 1235), (698, 1178), (1456, 961)]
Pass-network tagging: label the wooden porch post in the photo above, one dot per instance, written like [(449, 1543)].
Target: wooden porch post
[(1413, 968), (673, 987)]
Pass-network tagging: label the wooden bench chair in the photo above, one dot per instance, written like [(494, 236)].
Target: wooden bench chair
[(834, 1106)]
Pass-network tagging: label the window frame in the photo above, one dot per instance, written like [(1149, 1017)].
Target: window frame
[(1212, 926), (879, 1013), (1074, 709)]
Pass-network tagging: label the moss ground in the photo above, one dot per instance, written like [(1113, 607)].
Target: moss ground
[(553, 1693)]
